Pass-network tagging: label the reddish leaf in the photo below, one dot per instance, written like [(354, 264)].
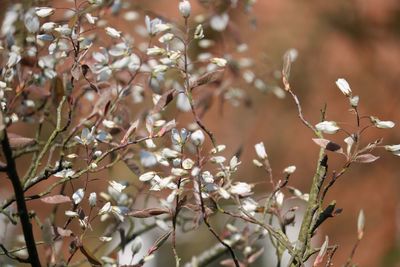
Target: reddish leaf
[(165, 99), (324, 248), (146, 213), (328, 145), (56, 199), (159, 242), (17, 141), (129, 132), (366, 158), (207, 78), (166, 128)]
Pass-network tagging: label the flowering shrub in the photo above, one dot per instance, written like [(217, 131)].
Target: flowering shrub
[(106, 96)]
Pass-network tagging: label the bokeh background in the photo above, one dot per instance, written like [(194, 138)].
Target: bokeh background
[(356, 40)]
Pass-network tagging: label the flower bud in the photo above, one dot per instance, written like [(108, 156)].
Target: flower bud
[(199, 32), (92, 199), (260, 150), (185, 8), (289, 170), (197, 138), (136, 245), (354, 101), (343, 86), (328, 127)]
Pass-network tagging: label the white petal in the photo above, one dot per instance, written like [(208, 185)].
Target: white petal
[(329, 127), (44, 11), (147, 176), (343, 86), (260, 150), (78, 196), (197, 137), (117, 186), (290, 169), (113, 32)]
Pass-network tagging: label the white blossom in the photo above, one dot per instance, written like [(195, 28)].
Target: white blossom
[(187, 164), (131, 15), (392, 148), (78, 196), (206, 43), (240, 188), (176, 137), (169, 153), (218, 149), (260, 150), (117, 212), (147, 176), (109, 124), (249, 205), (113, 32), (234, 163), (220, 62), (147, 159), (48, 26), (199, 32), (185, 8), (207, 177), (183, 103), (223, 193), (219, 22), (90, 18), (70, 213), (354, 100), (92, 199), (343, 86), (290, 169), (44, 11), (382, 124), (197, 137), (166, 38), (349, 141), (218, 159), (179, 172), (329, 127), (65, 173), (13, 59), (395, 149), (155, 26), (64, 30), (162, 27), (105, 238), (257, 163), (279, 197), (136, 245), (159, 68), (155, 51), (105, 209), (117, 186)]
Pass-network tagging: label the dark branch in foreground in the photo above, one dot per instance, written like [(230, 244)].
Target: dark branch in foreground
[(20, 199)]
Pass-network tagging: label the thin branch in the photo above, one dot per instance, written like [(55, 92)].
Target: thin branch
[(21, 205), (205, 218)]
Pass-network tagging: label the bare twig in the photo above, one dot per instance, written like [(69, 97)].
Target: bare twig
[(20, 198)]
